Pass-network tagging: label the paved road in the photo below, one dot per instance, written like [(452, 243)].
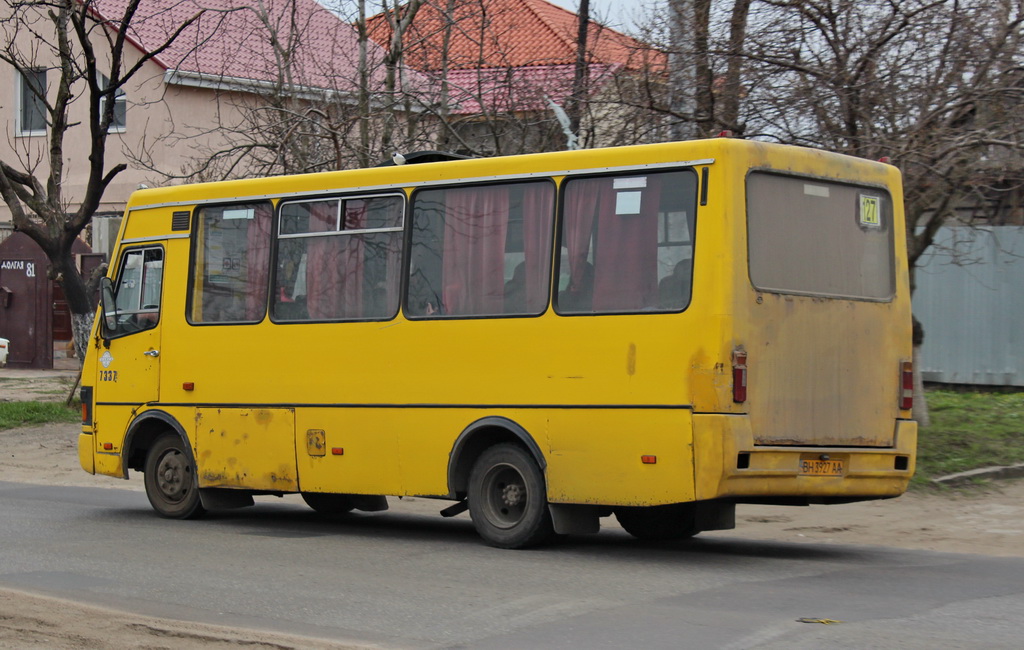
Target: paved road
[(402, 579)]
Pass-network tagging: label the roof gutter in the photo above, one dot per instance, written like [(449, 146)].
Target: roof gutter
[(225, 83), (254, 86)]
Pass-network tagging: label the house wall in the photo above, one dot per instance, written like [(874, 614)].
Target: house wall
[(166, 126)]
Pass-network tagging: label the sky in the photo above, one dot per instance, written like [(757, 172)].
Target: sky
[(615, 12)]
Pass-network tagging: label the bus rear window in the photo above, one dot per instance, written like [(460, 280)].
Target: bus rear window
[(812, 237)]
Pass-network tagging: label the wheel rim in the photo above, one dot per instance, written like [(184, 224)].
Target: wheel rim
[(173, 477), (505, 496)]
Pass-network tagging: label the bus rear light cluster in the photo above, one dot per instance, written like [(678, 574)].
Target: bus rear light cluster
[(739, 375), (86, 396), (906, 385)]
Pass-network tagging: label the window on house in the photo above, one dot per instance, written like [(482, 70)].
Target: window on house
[(118, 122), (31, 105)]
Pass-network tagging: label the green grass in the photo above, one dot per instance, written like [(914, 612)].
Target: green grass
[(20, 414), (970, 429)]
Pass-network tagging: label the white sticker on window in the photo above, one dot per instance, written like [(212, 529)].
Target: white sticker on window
[(631, 183), (239, 213), (627, 202), (816, 190)]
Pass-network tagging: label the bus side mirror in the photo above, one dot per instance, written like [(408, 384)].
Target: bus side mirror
[(109, 308)]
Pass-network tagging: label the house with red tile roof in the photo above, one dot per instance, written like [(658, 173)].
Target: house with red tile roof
[(175, 109), (504, 63)]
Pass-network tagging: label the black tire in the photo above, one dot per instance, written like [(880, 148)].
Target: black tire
[(170, 477), (328, 504), (508, 499), (674, 521)]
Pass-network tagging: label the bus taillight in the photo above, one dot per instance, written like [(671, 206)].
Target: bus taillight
[(86, 395), (906, 385), (739, 375)]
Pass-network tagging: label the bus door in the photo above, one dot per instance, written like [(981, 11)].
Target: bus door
[(824, 355), (128, 372)]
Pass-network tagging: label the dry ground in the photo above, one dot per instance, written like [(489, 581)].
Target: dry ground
[(986, 520)]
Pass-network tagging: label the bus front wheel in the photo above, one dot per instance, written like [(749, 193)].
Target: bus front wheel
[(170, 478), (507, 498), (673, 521)]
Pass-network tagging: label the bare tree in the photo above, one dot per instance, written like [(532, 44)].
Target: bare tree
[(83, 56)]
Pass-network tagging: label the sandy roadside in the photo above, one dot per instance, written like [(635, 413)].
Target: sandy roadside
[(987, 520)]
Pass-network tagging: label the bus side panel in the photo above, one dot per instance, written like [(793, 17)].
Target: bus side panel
[(246, 448), (353, 451), (597, 456), (110, 424)]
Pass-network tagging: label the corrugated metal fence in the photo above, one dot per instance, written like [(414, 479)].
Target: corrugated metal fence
[(970, 300)]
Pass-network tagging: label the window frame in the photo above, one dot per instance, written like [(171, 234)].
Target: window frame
[(120, 98), (499, 181), (339, 231), (196, 223), (118, 279), (22, 93), (888, 227), (618, 173)]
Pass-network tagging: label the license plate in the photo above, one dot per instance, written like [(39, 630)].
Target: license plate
[(818, 467)]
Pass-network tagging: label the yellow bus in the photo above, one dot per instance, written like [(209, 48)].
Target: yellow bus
[(656, 332)]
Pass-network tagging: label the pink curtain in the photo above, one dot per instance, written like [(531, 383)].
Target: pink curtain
[(323, 268), (626, 254), (394, 269), (538, 211), (257, 262), (581, 201), (352, 261), (473, 279)]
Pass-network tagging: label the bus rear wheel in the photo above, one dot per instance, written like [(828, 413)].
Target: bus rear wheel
[(170, 478), (507, 498), (328, 504), (673, 521)]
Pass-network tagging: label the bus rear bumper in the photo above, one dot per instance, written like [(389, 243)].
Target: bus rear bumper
[(727, 464)]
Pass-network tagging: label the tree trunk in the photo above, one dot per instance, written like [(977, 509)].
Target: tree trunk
[(81, 328)]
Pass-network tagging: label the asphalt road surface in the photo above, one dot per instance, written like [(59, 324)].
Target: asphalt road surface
[(409, 579)]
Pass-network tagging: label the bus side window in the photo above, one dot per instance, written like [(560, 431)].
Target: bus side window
[(231, 264), (481, 250), (137, 290), (338, 259), (627, 243)]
